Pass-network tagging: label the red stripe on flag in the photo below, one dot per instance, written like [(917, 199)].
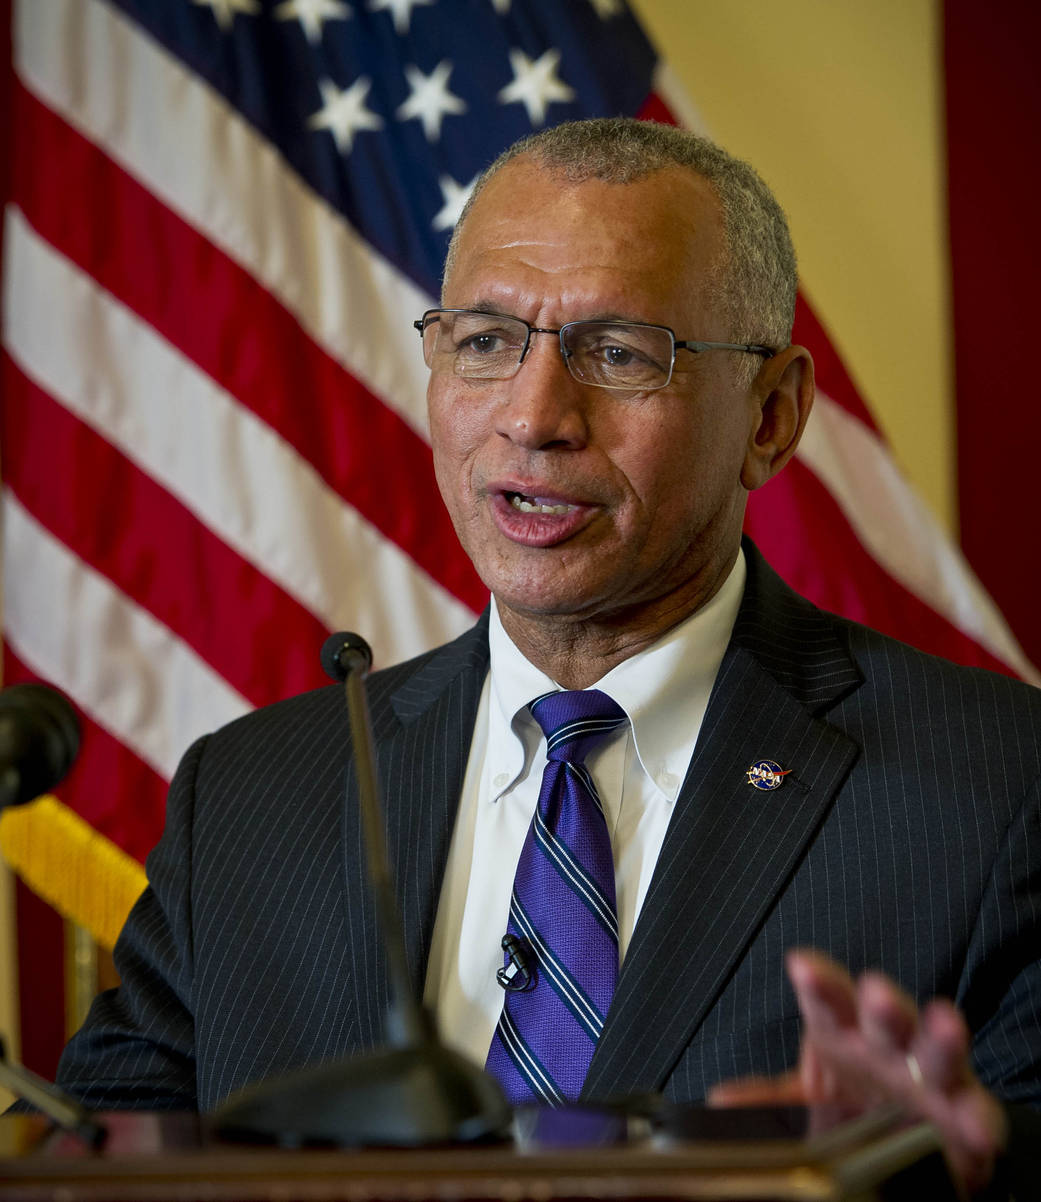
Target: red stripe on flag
[(131, 815), (221, 318), (655, 109), (794, 511), (157, 551)]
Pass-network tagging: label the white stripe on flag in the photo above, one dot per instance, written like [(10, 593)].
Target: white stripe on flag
[(91, 353), (899, 531), (179, 138), (125, 669)]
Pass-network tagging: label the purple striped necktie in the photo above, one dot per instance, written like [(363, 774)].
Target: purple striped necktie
[(563, 912)]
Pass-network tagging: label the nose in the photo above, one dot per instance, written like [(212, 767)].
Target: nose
[(544, 406)]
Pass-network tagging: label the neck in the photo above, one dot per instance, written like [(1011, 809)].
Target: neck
[(577, 650)]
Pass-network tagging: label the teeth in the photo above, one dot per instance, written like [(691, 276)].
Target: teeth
[(535, 506)]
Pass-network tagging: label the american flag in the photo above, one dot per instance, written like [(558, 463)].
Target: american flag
[(223, 217)]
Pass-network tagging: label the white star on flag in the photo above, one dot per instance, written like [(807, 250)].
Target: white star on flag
[(455, 197), (607, 8), (430, 100), (226, 10), (343, 112), (501, 6), (535, 84), (311, 14), (400, 9)]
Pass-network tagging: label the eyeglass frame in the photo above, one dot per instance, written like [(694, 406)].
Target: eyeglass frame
[(695, 347)]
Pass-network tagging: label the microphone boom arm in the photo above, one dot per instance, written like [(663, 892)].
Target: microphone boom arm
[(407, 1023)]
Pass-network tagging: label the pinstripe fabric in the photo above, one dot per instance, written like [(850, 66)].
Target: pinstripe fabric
[(907, 837)]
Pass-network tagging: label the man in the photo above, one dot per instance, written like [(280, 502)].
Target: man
[(611, 374)]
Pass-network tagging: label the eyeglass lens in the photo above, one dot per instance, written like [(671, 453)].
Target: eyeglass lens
[(484, 346)]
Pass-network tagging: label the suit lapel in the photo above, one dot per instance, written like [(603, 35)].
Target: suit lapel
[(730, 848), (422, 726)]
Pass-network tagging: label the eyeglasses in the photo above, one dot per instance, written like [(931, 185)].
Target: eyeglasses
[(626, 355)]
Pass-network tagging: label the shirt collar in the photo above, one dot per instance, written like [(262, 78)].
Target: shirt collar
[(663, 689), (513, 735)]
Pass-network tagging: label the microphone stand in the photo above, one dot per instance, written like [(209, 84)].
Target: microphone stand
[(407, 1023), (414, 1092), (61, 1109)]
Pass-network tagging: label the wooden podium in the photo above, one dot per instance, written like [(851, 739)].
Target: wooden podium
[(171, 1158)]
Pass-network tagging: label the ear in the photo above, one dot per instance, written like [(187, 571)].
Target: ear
[(781, 397)]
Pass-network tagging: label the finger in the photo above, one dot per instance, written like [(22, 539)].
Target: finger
[(784, 1090), (941, 1047), (817, 1079), (888, 1017), (825, 992)]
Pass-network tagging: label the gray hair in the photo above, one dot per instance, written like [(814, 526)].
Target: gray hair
[(757, 277)]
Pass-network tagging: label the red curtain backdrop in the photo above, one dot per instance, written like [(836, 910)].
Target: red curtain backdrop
[(994, 169)]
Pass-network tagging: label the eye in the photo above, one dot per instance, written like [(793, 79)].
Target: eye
[(488, 342), (483, 346), (629, 351), (614, 355), (482, 336), (631, 357)]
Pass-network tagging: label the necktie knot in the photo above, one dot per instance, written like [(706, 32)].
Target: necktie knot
[(575, 722)]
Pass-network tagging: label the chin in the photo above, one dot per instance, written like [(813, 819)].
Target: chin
[(549, 582), (543, 599)]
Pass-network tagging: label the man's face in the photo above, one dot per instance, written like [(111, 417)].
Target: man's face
[(580, 501)]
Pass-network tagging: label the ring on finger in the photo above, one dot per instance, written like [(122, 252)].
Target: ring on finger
[(914, 1070)]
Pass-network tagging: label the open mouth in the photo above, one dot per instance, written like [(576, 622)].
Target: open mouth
[(537, 519), (526, 504)]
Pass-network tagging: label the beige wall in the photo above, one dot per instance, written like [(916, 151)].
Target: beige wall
[(838, 103)]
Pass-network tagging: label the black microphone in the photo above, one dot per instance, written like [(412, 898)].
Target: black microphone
[(343, 653), (517, 974), (412, 1091), (39, 740)]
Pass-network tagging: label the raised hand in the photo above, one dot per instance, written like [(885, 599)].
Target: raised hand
[(865, 1043)]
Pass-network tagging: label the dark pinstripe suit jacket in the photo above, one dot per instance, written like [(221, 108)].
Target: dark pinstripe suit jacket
[(907, 837)]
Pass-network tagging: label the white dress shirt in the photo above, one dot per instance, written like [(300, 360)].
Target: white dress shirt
[(638, 771)]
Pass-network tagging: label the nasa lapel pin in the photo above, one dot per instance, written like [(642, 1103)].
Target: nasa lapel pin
[(767, 775)]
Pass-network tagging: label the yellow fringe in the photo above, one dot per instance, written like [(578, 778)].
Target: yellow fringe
[(83, 875)]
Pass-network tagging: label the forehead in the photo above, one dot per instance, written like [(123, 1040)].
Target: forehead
[(641, 249)]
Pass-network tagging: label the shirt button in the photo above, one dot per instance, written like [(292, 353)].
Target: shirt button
[(666, 779), (501, 780)]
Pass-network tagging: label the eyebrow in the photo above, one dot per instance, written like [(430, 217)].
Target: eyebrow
[(485, 306)]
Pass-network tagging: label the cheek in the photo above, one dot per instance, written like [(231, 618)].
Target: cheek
[(459, 417), (657, 457), (441, 441), (681, 474), (455, 437)]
